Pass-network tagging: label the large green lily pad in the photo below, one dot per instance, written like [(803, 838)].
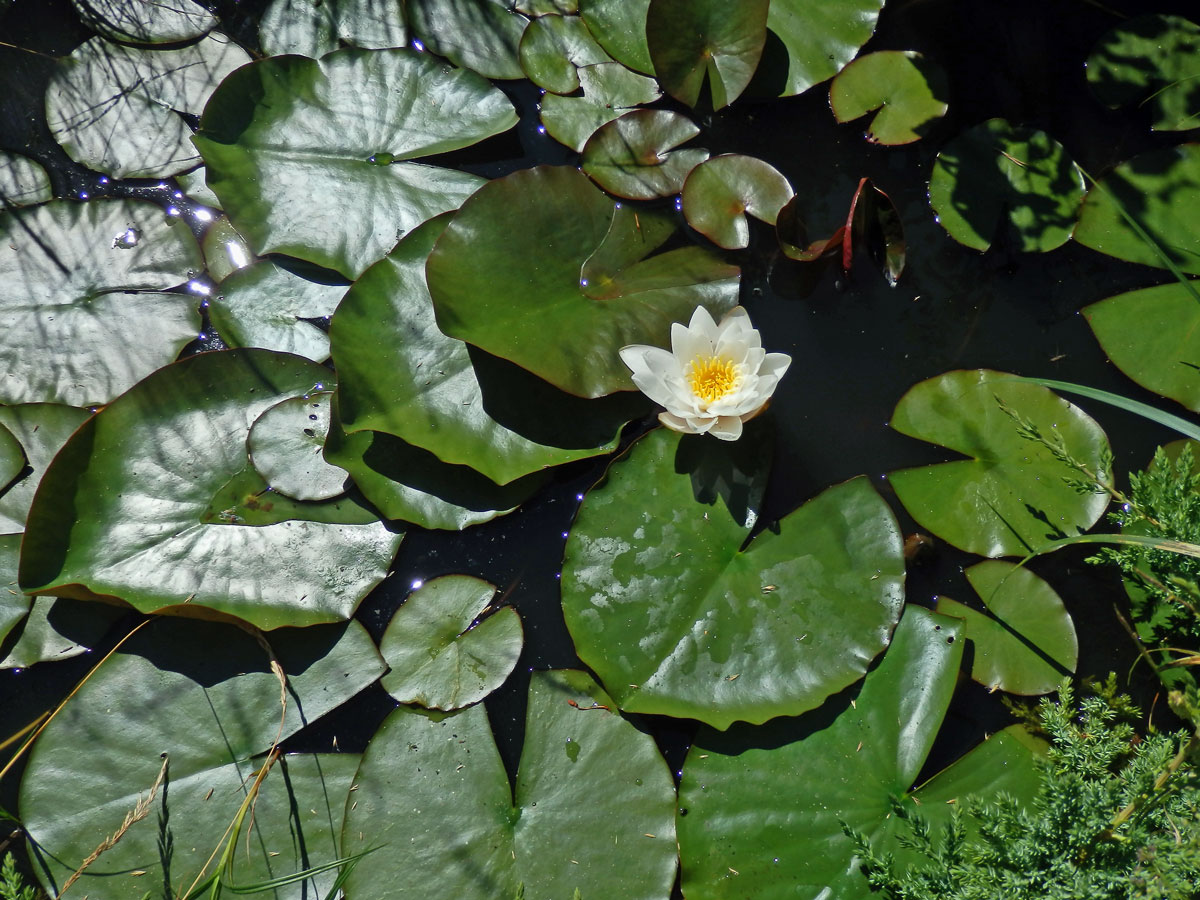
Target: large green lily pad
[(400, 375), (166, 697), (909, 91), (22, 181), (1160, 190), (149, 502), (481, 35), (445, 651), (1009, 497), (676, 618), (145, 21), (116, 108), (592, 809), (608, 90), (316, 27), (692, 39), (80, 306), (819, 37), (998, 178), (722, 191), (761, 809), (1154, 61), (1153, 336), (1027, 644), (312, 158), (533, 308), (552, 50), (634, 156), (619, 26), (266, 306)]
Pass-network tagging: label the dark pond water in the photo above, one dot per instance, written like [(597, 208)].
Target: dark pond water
[(857, 344)]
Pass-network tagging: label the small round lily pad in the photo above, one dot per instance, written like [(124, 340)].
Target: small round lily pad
[(285, 446)]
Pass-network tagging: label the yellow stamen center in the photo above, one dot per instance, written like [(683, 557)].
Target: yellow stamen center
[(713, 377)]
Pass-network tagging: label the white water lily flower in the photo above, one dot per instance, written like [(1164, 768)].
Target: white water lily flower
[(714, 378)]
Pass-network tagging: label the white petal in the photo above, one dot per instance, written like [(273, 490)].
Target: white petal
[(688, 344), (774, 364), (727, 428), (675, 423), (736, 326), (652, 371), (702, 321)]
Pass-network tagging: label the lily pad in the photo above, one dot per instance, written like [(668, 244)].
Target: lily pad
[(12, 458), (677, 619), (407, 483), (399, 374), (225, 252), (14, 603), (1027, 644), (22, 181), (264, 305), (293, 144), (116, 109), (285, 446), (761, 809), (1154, 61), (166, 699), (819, 37), (316, 27), (1010, 497), (608, 91), (145, 21), (547, 7), (996, 178), (194, 185), (634, 156), (41, 429), (1160, 189), (552, 50), (482, 35), (45, 629), (156, 476), (592, 808), (692, 39), (908, 90), (721, 192), (1153, 336), (531, 308), (79, 306), (444, 653), (619, 26)]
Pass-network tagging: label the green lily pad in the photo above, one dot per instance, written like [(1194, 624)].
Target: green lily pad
[(22, 181), (1150, 60), (819, 37), (619, 26), (116, 108), (154, 477), (316, 27), (721, 192), (285, 445), (41, 429), (720, 39), (761, 809), (400, 375), (592, 809), (1010, 497), (194, 185), (442, 654), (263, 305), (552, 50), (633, 156), (481, 35), (407, 483), (676, 619), (996, 177), (1161, 189), (225, 252), (908, 90), (1028, 643), (1153, 336), (145, 21), (12, 458), (167, 698), (311, 157), (533, 309), (78, 307), (14, 603), (547, 7), (608, 91)]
